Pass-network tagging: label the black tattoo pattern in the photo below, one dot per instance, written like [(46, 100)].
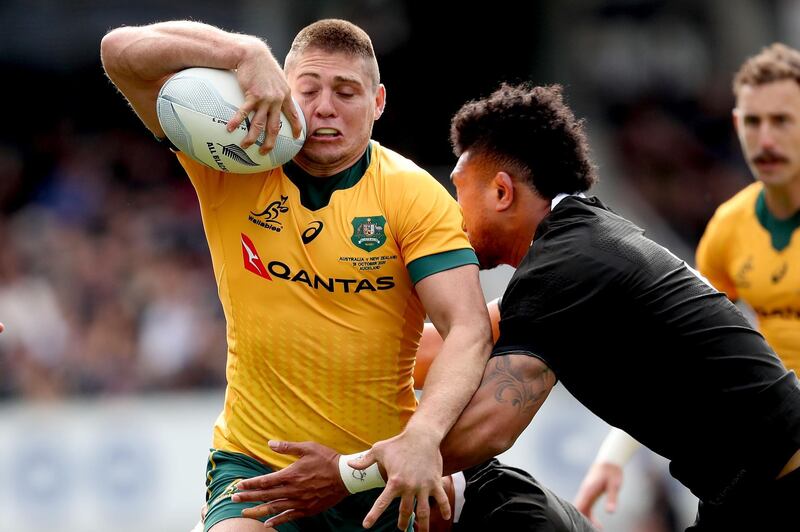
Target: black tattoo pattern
[(524, 390)]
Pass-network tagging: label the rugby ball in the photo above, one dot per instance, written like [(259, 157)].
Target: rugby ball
[(194, 107)]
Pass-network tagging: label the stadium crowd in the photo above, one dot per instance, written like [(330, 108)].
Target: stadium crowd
[(104, 274)]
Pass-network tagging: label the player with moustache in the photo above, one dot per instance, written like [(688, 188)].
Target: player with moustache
[(319, 347), (687, 375), (750, 249)]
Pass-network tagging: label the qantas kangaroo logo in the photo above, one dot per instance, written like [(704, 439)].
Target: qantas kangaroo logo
[(252, 262)]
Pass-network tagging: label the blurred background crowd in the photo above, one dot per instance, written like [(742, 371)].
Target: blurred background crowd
[(106, 285)]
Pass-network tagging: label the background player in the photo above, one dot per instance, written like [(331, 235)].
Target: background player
[(300, 311), (751, 247)]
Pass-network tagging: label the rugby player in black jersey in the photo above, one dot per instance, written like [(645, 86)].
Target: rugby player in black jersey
[(627, 327)]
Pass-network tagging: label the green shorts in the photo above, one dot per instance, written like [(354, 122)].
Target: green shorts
[(225, 469)]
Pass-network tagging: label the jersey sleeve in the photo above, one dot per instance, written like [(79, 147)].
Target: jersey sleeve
[(710, 256), (429, 227), (547, 296), (208, 183), (520, 309)]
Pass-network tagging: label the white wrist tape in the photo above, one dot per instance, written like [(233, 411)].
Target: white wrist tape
[(356, 480), (617, 448), (459, 485)]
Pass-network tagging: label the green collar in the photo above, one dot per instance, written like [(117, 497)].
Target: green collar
[(315, 192), (779, 230)]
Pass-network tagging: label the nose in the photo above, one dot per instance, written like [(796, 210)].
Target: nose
[(766, 135), (325, 105)]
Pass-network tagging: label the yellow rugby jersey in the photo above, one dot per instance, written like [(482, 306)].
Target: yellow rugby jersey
[(323, 321), (748, 254)]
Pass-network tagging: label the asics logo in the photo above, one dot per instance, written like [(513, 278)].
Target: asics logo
[(311, 232)]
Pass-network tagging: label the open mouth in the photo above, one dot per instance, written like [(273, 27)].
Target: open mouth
[(326, 133)]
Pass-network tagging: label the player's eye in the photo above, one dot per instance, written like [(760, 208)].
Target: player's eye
[(782, 120), (752, 121)]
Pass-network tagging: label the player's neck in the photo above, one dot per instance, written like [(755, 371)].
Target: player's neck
[(532, 215), (323, 170), (783, 201)]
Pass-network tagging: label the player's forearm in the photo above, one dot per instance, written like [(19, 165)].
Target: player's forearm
[(149, 53), (475, 437), (512, 389), (453, 377)]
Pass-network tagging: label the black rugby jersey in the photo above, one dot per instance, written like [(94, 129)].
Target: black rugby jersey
[(636, 336)]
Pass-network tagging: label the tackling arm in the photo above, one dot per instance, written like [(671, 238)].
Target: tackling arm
[(513, 388), (454, 302), (511, 391), (431, 344)]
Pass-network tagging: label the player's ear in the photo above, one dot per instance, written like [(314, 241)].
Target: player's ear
[(380, 101), (735, 117), (503, 187)]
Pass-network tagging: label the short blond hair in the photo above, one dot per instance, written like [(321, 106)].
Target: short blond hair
[(774, 63), (336, 36)]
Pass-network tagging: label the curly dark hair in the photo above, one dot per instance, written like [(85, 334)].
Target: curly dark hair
[(774, 63), (529, 130), (335, 35)]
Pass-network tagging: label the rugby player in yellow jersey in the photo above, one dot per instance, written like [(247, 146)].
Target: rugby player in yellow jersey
[(751, 247), (326, 269)]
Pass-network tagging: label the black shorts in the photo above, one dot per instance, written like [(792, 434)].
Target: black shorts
[(772, 508), (499, 497)]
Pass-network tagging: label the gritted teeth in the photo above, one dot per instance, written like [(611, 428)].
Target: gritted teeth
[(326, 131)]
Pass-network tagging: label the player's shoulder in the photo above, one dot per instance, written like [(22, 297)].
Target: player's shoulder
[(580, 221), (397, 169), (743, 202), (591, 237)]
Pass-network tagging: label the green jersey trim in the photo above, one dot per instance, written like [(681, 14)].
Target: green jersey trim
[(422, 267), (315, 192), (780, 231)]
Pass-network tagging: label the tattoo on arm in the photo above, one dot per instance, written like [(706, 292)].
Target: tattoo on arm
[(516, 384)]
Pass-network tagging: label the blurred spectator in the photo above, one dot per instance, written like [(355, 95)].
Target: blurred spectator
[(677, 172), (104, 274)]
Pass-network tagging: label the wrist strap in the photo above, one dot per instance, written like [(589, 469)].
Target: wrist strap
[(357, 480), (459, 486), (617, 448)]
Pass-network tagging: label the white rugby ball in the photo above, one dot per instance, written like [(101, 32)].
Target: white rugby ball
[(194, 107)]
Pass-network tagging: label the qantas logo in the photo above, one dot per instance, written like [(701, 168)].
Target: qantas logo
[(252, 262), (275, 268)]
